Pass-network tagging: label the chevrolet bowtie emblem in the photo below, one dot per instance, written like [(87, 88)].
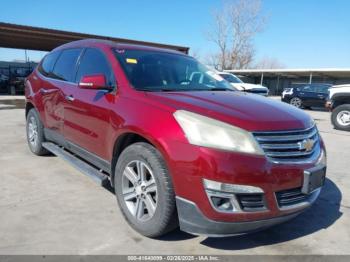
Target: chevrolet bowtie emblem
[(307, 145)]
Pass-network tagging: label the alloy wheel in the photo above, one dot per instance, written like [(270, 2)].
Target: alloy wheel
[(343, 118), (32, 131), (295, 101), (139, 190)]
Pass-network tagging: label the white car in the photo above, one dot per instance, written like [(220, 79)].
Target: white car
[(241, 86), (339, 103)]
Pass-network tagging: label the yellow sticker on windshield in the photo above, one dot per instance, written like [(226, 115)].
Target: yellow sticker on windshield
[(131, 61)]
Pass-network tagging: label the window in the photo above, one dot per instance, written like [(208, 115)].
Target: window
[(65, 66), (231, 78), (47, 64), (322, 88), (160, 71), (94, 62), (308, 89)]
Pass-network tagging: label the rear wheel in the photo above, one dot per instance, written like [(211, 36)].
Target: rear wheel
[(35, 133), (144, 190), (341, 117), (296, 101)]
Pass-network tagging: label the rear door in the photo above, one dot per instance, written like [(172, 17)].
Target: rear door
[(322, 94), (87, 115), (50, 93), (61, 77), (307, 94)]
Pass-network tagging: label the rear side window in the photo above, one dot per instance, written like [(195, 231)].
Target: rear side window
[(94, 62), (309, 89), (47, 64), (65, 66), (322, 89)]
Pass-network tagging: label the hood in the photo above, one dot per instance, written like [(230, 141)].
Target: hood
[(340, 86), (246, 86), (339, 89), (248, 111)]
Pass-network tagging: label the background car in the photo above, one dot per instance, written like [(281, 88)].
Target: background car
[(339, 103), (307, 96), (246, 87)]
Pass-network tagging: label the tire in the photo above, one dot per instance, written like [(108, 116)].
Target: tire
[(157, 209), (340, 117), (35, 133), (296, 101)]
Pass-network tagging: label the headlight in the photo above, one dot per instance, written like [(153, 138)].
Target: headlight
[(208, 132)]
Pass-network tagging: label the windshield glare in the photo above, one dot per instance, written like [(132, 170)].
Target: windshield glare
[(161, 71), (231, 78)]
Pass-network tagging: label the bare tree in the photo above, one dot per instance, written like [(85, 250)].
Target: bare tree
[(195, 53), (233, 31), (220, 35), (269, 63)]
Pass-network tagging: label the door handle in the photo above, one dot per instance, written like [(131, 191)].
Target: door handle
[(44, 91), (70, 98)]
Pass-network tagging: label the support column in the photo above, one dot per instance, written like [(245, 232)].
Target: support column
[(278, 83), (262, 79), (310, 80)]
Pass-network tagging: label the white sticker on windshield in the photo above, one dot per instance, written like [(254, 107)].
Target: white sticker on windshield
[(215, 76)]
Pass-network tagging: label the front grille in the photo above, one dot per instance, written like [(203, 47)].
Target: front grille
[(251, 202), (289, 146), (290, 197)]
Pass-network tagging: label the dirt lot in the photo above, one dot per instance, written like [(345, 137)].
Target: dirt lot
[(48, 207)]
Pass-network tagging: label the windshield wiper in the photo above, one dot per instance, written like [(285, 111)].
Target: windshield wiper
[(220, 89)]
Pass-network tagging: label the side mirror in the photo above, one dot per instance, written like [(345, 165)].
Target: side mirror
[(97, 81)]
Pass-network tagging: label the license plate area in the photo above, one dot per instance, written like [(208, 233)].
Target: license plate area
[(313, 178)]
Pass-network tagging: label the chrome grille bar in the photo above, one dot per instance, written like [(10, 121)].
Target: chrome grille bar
[(289, 137), (287, 146)]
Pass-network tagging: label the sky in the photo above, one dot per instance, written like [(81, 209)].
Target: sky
[(298, 33)]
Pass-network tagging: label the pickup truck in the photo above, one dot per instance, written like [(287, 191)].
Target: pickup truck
[(339, 103)]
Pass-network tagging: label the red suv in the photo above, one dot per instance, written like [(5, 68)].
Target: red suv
[(179, 145)]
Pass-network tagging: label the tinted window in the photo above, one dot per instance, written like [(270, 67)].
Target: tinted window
[(322, 88), (94, 62), (48, 63), (308, 89), (231, 78), (157, 71), (65, 65)]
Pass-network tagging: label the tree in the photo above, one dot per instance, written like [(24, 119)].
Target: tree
[(269, 63), (234, 28)]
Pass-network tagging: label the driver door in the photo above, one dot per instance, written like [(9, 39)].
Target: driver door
[(87, 111)]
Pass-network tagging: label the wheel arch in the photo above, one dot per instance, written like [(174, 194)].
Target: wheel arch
[(28, 107), (126, 139), (341, 99)]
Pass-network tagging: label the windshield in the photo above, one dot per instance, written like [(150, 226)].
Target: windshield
[(160, 71), (231, 78)]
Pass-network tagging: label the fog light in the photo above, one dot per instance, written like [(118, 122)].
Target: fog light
[(230, 188), (223, 196), (223, 204)]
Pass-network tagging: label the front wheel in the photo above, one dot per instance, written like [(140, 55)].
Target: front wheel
[(144, 190), (341, 117), (296, 101)]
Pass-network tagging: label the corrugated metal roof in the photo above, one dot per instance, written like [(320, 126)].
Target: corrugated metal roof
[(44, 39)]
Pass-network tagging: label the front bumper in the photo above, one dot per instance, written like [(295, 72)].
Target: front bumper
[(189, 165), (194, 222), (329, 105)]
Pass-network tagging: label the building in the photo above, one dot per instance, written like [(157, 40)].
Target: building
[(278, 79), (12, 74)]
